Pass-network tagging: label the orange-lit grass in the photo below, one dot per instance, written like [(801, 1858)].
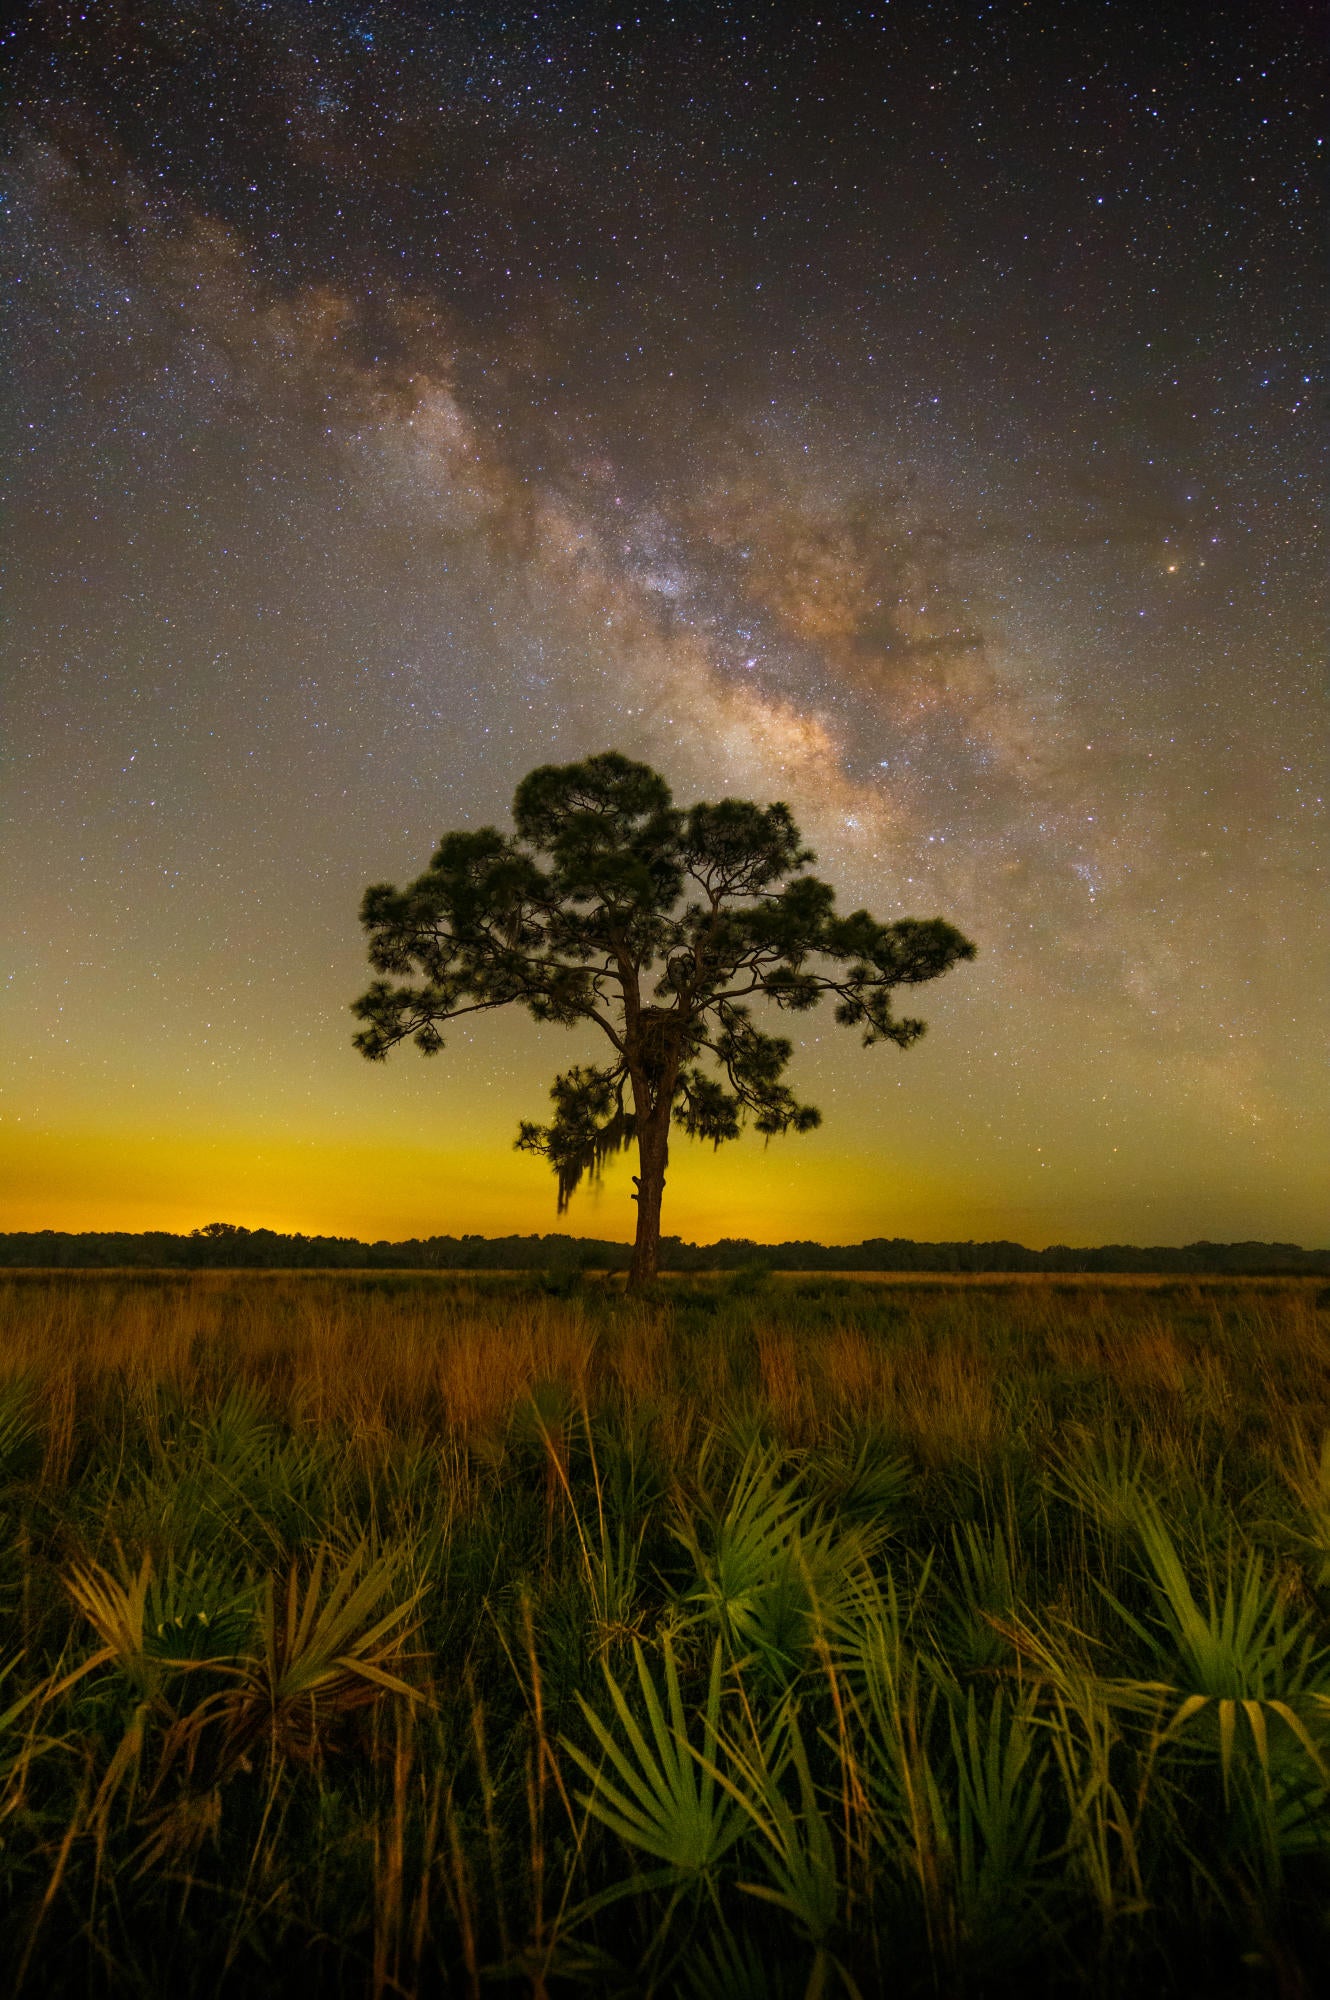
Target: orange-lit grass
[(948, 1366)]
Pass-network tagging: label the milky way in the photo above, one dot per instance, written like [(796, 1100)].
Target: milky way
[(909, 415)]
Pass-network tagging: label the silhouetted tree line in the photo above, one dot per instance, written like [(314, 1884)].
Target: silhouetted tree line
[(226, 1246)]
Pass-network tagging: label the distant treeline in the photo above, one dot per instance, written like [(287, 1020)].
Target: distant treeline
[(226, 1246)]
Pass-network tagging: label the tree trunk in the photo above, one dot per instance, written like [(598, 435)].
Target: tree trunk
[(653, 1152)]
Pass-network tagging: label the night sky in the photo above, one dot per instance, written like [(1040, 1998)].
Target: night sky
[(909, 413)]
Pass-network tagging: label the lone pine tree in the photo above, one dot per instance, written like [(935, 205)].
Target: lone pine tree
[(609, 904)]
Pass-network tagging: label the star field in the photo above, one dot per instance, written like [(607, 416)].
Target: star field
[(910, 413)]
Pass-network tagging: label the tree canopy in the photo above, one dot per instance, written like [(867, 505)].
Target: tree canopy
[(659, 926)]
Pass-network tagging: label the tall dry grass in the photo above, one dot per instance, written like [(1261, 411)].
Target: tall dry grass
[(403, 1634)]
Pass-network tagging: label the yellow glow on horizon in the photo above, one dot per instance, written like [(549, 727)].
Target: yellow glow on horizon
[(350, 1175), (89, 1180)]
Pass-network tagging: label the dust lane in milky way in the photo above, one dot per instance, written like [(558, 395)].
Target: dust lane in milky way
[(909, 417)]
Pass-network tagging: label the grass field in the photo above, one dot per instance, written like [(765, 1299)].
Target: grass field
[(381, 1634)]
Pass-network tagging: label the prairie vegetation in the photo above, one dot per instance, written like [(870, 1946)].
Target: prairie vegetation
[(414, 1634)]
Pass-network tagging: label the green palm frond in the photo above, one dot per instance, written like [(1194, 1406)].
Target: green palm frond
[(326, 1638), (771, 1568), (985, 1594), (116, 1607), (727, 1965), (648, 1786), (795, 1839), (1000, 1814), (195, 1615), (1103, 1476), (859, 1479), (1235, 1653)]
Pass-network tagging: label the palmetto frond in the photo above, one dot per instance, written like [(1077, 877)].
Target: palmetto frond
[(648, 1786), (771, 1567), (1235, 1653)]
